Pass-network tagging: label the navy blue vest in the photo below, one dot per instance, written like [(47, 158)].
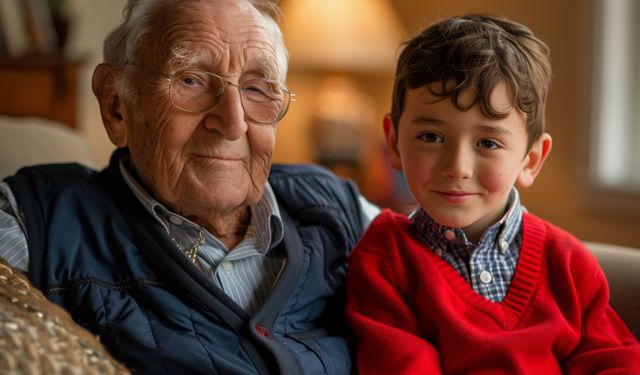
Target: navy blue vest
[(97, 252)]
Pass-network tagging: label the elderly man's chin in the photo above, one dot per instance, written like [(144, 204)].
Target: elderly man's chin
[(224, 185)]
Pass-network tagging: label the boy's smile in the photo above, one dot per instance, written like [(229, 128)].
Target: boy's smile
[(461, 165)]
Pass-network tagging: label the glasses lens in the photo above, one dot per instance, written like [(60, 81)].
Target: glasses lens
[(195, 91), (265, 101)]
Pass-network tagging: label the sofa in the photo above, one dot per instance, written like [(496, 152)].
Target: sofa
[(621, 266), (34, 140)]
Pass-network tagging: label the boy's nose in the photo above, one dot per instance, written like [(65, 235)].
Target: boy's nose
[(458, 163)]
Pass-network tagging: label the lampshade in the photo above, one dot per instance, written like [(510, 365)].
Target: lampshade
[(342, 35)]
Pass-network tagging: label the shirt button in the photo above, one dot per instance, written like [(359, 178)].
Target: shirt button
[(438, 252), (262, 330), (503, 245), (227, 265), (449, 234), (175, 220), (485, 277)]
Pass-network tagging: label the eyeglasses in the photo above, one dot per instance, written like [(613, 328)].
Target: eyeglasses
[(263, 101)]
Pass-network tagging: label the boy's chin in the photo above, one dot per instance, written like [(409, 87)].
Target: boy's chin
[(453, 221)]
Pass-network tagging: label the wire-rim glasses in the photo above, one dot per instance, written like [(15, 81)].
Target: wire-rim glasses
[(264, 101)]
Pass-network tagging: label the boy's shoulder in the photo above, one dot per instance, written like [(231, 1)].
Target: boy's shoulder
[(389, 221), (560, 246), (388, 230), (537, 229)]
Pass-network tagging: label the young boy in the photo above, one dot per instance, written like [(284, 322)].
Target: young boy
[(471, 283)]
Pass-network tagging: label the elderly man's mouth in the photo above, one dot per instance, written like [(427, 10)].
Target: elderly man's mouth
[(219, 158)]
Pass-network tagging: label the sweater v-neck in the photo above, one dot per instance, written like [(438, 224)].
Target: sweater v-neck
[(521, 293)]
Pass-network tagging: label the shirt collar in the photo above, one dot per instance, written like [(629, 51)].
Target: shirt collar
[(266, 219), (498, 235)]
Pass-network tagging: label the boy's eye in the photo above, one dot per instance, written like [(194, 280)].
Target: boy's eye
[(488, 144), (431, 138)]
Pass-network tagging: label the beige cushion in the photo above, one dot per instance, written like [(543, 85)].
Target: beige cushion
[(621, 266), (31, 140)]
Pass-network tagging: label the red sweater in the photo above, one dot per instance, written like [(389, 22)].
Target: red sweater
[(414, 314)]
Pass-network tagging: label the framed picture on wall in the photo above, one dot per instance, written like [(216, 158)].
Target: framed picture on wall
[(26, 28), (38, 24)]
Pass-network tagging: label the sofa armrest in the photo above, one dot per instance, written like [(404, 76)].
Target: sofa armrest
[(30, 140), (621, 266)]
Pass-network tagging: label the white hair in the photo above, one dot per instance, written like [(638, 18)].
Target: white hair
[(122, 45)]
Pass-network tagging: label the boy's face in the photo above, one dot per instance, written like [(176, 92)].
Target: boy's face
[(461, 166)]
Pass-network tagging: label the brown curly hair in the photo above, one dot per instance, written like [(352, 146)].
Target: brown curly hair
[(477, 52)]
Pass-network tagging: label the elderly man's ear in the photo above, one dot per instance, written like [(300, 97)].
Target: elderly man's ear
[(111, 105)]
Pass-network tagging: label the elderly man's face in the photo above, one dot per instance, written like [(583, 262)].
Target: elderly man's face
[(214, 162)]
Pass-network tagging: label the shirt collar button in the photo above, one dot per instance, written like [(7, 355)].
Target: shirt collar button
[(503, 245), (449, 234)]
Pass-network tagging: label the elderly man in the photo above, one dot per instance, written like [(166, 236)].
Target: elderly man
[(190, 253)]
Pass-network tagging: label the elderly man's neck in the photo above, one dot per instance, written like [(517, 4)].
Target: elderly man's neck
[(229, 229)]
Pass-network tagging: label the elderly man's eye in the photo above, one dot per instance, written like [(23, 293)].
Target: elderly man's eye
[(191, 79), (259, 91), (254, 89), (256, 86)]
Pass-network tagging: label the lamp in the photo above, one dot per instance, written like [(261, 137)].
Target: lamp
[(352, 35), (338, 40)]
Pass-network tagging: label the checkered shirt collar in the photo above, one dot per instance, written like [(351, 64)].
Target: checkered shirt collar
[(504, 230)]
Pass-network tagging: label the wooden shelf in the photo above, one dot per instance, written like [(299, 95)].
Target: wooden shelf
[(39, 86)]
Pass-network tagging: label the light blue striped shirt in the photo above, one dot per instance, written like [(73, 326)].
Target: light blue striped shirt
[(13, 244), (247, 274)]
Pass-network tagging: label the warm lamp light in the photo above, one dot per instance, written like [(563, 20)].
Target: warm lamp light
[(342, 35), (341, 42)]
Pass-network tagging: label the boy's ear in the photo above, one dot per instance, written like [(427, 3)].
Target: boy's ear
[(392, 142), (532, 164), (111, 106)]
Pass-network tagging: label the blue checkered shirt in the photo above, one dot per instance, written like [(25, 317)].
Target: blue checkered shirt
[(487, 266)]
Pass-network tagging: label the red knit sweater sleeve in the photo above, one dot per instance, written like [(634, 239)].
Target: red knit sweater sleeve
[(606, 345), (388, 332)]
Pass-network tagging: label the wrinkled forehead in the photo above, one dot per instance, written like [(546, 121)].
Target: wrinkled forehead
[(226, 36)]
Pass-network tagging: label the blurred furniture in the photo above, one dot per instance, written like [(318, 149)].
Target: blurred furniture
[(336, 68), (31, 140), (621, 265), (39, 86)]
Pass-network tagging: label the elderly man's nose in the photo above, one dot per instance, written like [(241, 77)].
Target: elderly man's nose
[(227, 117)]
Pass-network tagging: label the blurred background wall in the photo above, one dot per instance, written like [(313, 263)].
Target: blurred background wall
[(340, 101), (562, 193)]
